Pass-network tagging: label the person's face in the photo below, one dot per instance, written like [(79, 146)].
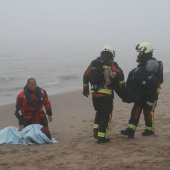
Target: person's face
[(32, 85)]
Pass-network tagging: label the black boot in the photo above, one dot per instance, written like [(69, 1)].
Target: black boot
[(101, 140), (128, 132), (95, 132), (147, 133)]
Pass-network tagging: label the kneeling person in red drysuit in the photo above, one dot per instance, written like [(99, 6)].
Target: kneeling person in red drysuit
[(29, 107)]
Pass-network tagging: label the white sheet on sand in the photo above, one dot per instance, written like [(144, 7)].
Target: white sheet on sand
[(31, 134)]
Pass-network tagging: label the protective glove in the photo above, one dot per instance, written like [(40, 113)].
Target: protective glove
[(121, 84), (86, 90), (120, 75)]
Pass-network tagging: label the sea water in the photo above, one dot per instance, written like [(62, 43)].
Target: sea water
[(52, 74), (55, 75)]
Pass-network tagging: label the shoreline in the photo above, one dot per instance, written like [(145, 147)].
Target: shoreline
[(166, 74)]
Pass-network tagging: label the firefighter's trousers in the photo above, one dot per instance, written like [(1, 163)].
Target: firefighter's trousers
[(148, 116), (104, 107)]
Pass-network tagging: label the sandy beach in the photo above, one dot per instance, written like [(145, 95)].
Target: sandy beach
[(77, 150)]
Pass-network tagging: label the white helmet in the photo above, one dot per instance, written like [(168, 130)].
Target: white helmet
[(144, 47), (108, 48)]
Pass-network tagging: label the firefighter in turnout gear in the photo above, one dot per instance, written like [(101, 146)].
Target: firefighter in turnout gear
[(144, 82), (29, 107), (104, 75)]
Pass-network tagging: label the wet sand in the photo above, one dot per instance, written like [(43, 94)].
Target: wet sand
[(72, 124)]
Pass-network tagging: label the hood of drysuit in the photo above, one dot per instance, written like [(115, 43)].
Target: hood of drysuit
[(38, 100)]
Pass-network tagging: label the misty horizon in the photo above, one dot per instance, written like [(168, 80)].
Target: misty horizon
[(78, 29)]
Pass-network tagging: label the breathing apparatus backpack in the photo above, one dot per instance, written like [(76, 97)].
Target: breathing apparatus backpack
[(155, 67), (97, 74)]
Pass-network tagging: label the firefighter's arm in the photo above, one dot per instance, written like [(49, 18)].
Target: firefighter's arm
[(18, 112), (152, 93), (47, 106), (86, 81), (118, 73)]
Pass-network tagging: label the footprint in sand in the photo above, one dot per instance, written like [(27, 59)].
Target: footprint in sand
[(3, 164)]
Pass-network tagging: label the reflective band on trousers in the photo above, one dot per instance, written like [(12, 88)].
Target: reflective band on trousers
[(149, 128), (95, 126), (101, 134), (131, 126), (106, 91)]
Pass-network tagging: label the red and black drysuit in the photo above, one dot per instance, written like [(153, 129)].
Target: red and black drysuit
[(29, 108), (102, 99)]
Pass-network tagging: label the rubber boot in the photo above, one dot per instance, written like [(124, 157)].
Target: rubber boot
[(128, 132), (147, 133), (101, 140)]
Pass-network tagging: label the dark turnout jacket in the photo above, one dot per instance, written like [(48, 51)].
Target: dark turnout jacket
[(141, 85)]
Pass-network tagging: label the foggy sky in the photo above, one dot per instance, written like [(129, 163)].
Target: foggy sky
[(79, 28)]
